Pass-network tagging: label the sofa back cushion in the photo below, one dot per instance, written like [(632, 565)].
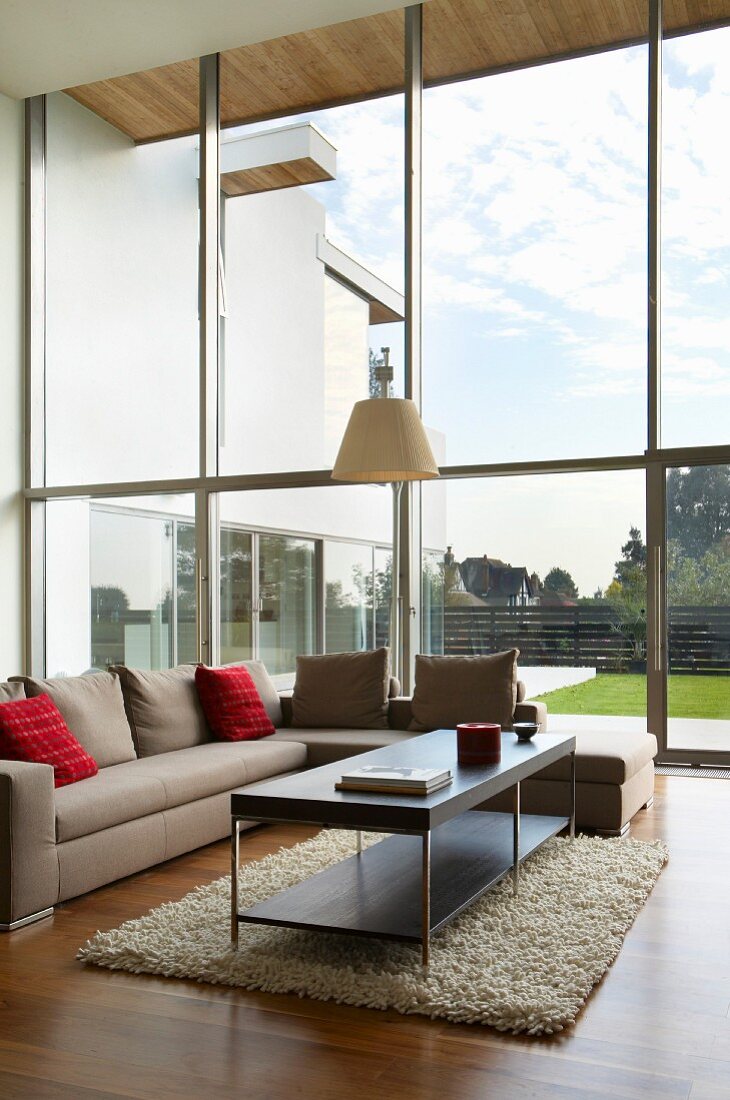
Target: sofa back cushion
[(11, 691), (265, 687), (33, 730), (450, 690), (163, 709), (93, 709), (348, 690)]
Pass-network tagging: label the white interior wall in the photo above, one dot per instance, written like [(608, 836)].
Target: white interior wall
[(11, 375), (122, 305), (68, 587)]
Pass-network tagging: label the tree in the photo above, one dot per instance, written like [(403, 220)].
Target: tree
[(626, 594), (107, 602), (704, 582), (560, 580), (698, 508), (634, 556)]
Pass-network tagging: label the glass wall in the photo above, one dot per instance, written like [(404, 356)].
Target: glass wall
[(434, 566), (121, 385), (287, 601), (554, 566), (696, 240), (236, 595), (292, 582), (698, 607), (534, 230), (534, 260), (349, 578), (313, 260), (120, 584)]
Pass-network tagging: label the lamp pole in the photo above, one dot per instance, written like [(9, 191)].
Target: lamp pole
[(384, 375)]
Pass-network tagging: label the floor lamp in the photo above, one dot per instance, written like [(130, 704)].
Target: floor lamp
[(385, 441)]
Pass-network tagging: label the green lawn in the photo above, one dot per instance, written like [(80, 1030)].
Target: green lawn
[(625, 694)]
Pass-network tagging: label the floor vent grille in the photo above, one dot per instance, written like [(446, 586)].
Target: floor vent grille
[(704, 772)]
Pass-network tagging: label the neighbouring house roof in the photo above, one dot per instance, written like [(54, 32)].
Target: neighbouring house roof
[(490, 578), (555, 599)]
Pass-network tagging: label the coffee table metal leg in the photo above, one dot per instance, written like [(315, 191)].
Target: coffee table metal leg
[(572, 796), (235, 836), (426, 900), (359, 842), (516, 840)]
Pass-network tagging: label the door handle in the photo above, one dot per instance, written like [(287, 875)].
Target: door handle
[(658, 610), (201, 617)]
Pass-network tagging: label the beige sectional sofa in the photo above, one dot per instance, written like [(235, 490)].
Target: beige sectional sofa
[(164, 785)]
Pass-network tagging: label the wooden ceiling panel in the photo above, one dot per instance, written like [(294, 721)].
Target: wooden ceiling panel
[(147, 106), (349, 61), (363, 58)]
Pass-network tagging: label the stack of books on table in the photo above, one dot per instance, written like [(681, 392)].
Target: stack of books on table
[(395, 780)]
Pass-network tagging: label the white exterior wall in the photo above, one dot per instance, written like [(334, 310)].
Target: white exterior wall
[(11, 375), (274, 334)]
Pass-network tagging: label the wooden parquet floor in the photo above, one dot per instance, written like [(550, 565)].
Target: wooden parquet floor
[(657, 1026)]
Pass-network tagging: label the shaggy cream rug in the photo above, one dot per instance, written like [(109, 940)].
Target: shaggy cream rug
[(521, 965)]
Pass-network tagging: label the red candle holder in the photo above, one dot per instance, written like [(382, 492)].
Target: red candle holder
[(479, 743)]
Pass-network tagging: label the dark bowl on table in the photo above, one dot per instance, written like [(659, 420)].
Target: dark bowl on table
[(526, 730)]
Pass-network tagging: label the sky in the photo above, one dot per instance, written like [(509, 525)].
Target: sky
[(535, 281)]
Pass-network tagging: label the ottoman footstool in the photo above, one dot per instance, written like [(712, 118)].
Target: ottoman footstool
[(614, 779)]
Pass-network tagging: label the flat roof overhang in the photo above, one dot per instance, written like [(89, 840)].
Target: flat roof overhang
[(363, 59)]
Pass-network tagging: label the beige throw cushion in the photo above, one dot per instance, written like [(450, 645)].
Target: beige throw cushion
[(348, 690), (163, 709), (450, 690), (10, 692), (93, 709), (265, 687)]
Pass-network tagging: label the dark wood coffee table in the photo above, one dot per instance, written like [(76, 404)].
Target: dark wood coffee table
[(441, 854)]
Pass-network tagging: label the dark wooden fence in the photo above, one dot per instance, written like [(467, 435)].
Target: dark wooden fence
[(699, 637), (699, 640)]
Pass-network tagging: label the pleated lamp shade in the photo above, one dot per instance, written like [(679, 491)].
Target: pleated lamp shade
[(385, 441)]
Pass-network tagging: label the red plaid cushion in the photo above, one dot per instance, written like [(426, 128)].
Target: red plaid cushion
[(34, 730), (232, 704)]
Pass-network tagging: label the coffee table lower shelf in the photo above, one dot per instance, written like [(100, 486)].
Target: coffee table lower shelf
[(379, 892)]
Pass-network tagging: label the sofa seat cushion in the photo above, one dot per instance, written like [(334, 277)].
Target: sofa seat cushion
[(324, 746), (605, 757), (128, 791), (117, 794)]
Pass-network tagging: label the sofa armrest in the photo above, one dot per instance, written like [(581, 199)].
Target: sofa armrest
[(532, 712), (29, 877)]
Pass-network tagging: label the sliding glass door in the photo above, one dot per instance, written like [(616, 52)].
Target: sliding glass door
[(698, 609), (268, 598)]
